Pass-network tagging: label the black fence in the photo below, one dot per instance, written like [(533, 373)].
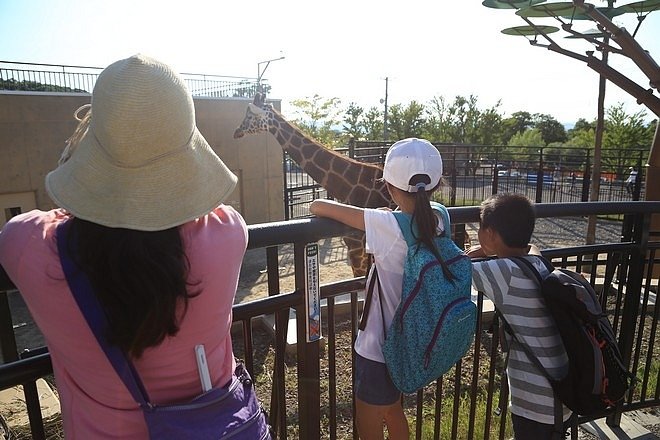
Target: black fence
[(302, 388), (81, 79), (473, 172)]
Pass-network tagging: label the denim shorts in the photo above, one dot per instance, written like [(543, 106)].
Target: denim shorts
[(373, 383)]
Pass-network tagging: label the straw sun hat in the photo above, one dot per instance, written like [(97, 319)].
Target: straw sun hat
[(142, 164)]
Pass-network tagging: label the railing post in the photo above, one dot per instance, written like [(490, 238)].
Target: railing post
[(309, 383), (7, 339), (454, 179), (637, 184), (631, 300), (287, 194), (586, 178), (539, 178), (494, 169)]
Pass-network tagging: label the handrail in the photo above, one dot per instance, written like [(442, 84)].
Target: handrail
[(313, 229)]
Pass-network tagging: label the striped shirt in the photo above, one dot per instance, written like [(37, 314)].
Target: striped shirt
[(517, 297)]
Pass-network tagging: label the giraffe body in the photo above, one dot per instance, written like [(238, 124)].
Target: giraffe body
[(345, 179)]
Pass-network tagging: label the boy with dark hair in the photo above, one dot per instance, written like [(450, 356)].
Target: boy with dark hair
[(505, 229)]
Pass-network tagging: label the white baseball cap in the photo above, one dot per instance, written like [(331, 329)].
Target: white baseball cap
[(409, 157)]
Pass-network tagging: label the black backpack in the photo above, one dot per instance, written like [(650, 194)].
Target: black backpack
[(597, 378)]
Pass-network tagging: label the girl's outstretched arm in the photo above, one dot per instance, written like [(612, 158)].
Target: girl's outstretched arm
[(347, 214)]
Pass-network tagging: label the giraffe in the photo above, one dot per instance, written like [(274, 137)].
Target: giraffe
[(345, 179)]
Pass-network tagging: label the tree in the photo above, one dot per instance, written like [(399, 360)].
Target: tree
[(517, 123), (319, 117), (438, 122), (372, 124), (528, 138), (580, 125), (551, 129), (33, 86), (404, 122), (352, 121)]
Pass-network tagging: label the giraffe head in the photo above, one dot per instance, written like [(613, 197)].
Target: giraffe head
[(256, 117)]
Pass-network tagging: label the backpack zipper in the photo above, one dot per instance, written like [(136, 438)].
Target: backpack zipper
[(240, 380), (438, 326), (418, 286)]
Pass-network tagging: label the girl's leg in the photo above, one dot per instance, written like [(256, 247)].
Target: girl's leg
[(370, 421), (377, 400), (397, 424)]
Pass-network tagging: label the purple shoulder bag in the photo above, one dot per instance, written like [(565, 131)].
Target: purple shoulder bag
[(230, 412)]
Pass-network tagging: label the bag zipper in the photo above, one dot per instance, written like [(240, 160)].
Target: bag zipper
[(438, 326), (237, 380), (418, 286), (248, 423)]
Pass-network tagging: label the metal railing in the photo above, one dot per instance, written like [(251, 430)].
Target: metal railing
[(473, 172), (308, 403), (81, 79)]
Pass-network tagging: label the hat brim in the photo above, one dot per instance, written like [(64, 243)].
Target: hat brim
[(169, 191)]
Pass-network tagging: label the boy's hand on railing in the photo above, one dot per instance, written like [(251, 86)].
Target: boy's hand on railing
[(476, 252)]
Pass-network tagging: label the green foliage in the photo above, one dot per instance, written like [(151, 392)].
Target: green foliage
[(372, 124), (404, 122), (462, 121), (517, 123), (33, 86), (352, 126), (318, 117), (528, 138), (623, 130), (551, 129)]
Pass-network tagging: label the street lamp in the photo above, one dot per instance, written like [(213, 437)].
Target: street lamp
[(260, 73)]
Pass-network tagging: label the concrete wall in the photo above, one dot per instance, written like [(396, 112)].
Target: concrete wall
[(35, 126)]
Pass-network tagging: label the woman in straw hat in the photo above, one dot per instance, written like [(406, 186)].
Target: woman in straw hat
[(141, 192)]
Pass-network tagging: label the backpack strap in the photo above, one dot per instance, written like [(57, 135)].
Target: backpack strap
[(93, 313), (529, 268), (369, 298)]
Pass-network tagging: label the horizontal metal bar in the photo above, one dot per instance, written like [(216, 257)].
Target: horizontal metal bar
[(24, 370)]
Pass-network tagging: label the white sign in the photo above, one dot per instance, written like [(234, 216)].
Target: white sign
[(312, 292)]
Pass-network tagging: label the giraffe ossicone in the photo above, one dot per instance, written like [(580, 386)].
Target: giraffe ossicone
[(345, 179)]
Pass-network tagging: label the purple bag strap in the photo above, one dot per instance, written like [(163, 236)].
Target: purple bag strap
[(91, 309)]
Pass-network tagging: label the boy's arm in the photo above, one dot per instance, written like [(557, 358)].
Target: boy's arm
[(347, 214)]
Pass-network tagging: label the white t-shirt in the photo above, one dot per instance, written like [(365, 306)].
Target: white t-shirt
[(385, 241)]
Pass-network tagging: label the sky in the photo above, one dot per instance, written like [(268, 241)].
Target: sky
[(343, 49)]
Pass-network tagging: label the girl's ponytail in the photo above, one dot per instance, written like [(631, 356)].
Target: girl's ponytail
[(426, 220)]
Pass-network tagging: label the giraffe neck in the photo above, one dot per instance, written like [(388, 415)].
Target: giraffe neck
[(345, 179)]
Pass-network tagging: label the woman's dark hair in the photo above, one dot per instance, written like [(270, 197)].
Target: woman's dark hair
[(511, 215), (426, 220), (139, 278)]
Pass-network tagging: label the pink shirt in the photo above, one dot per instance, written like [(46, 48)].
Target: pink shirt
[(95, 403)]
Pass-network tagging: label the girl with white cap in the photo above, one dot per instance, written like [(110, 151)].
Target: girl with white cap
[(141, 193), (412, 172)]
